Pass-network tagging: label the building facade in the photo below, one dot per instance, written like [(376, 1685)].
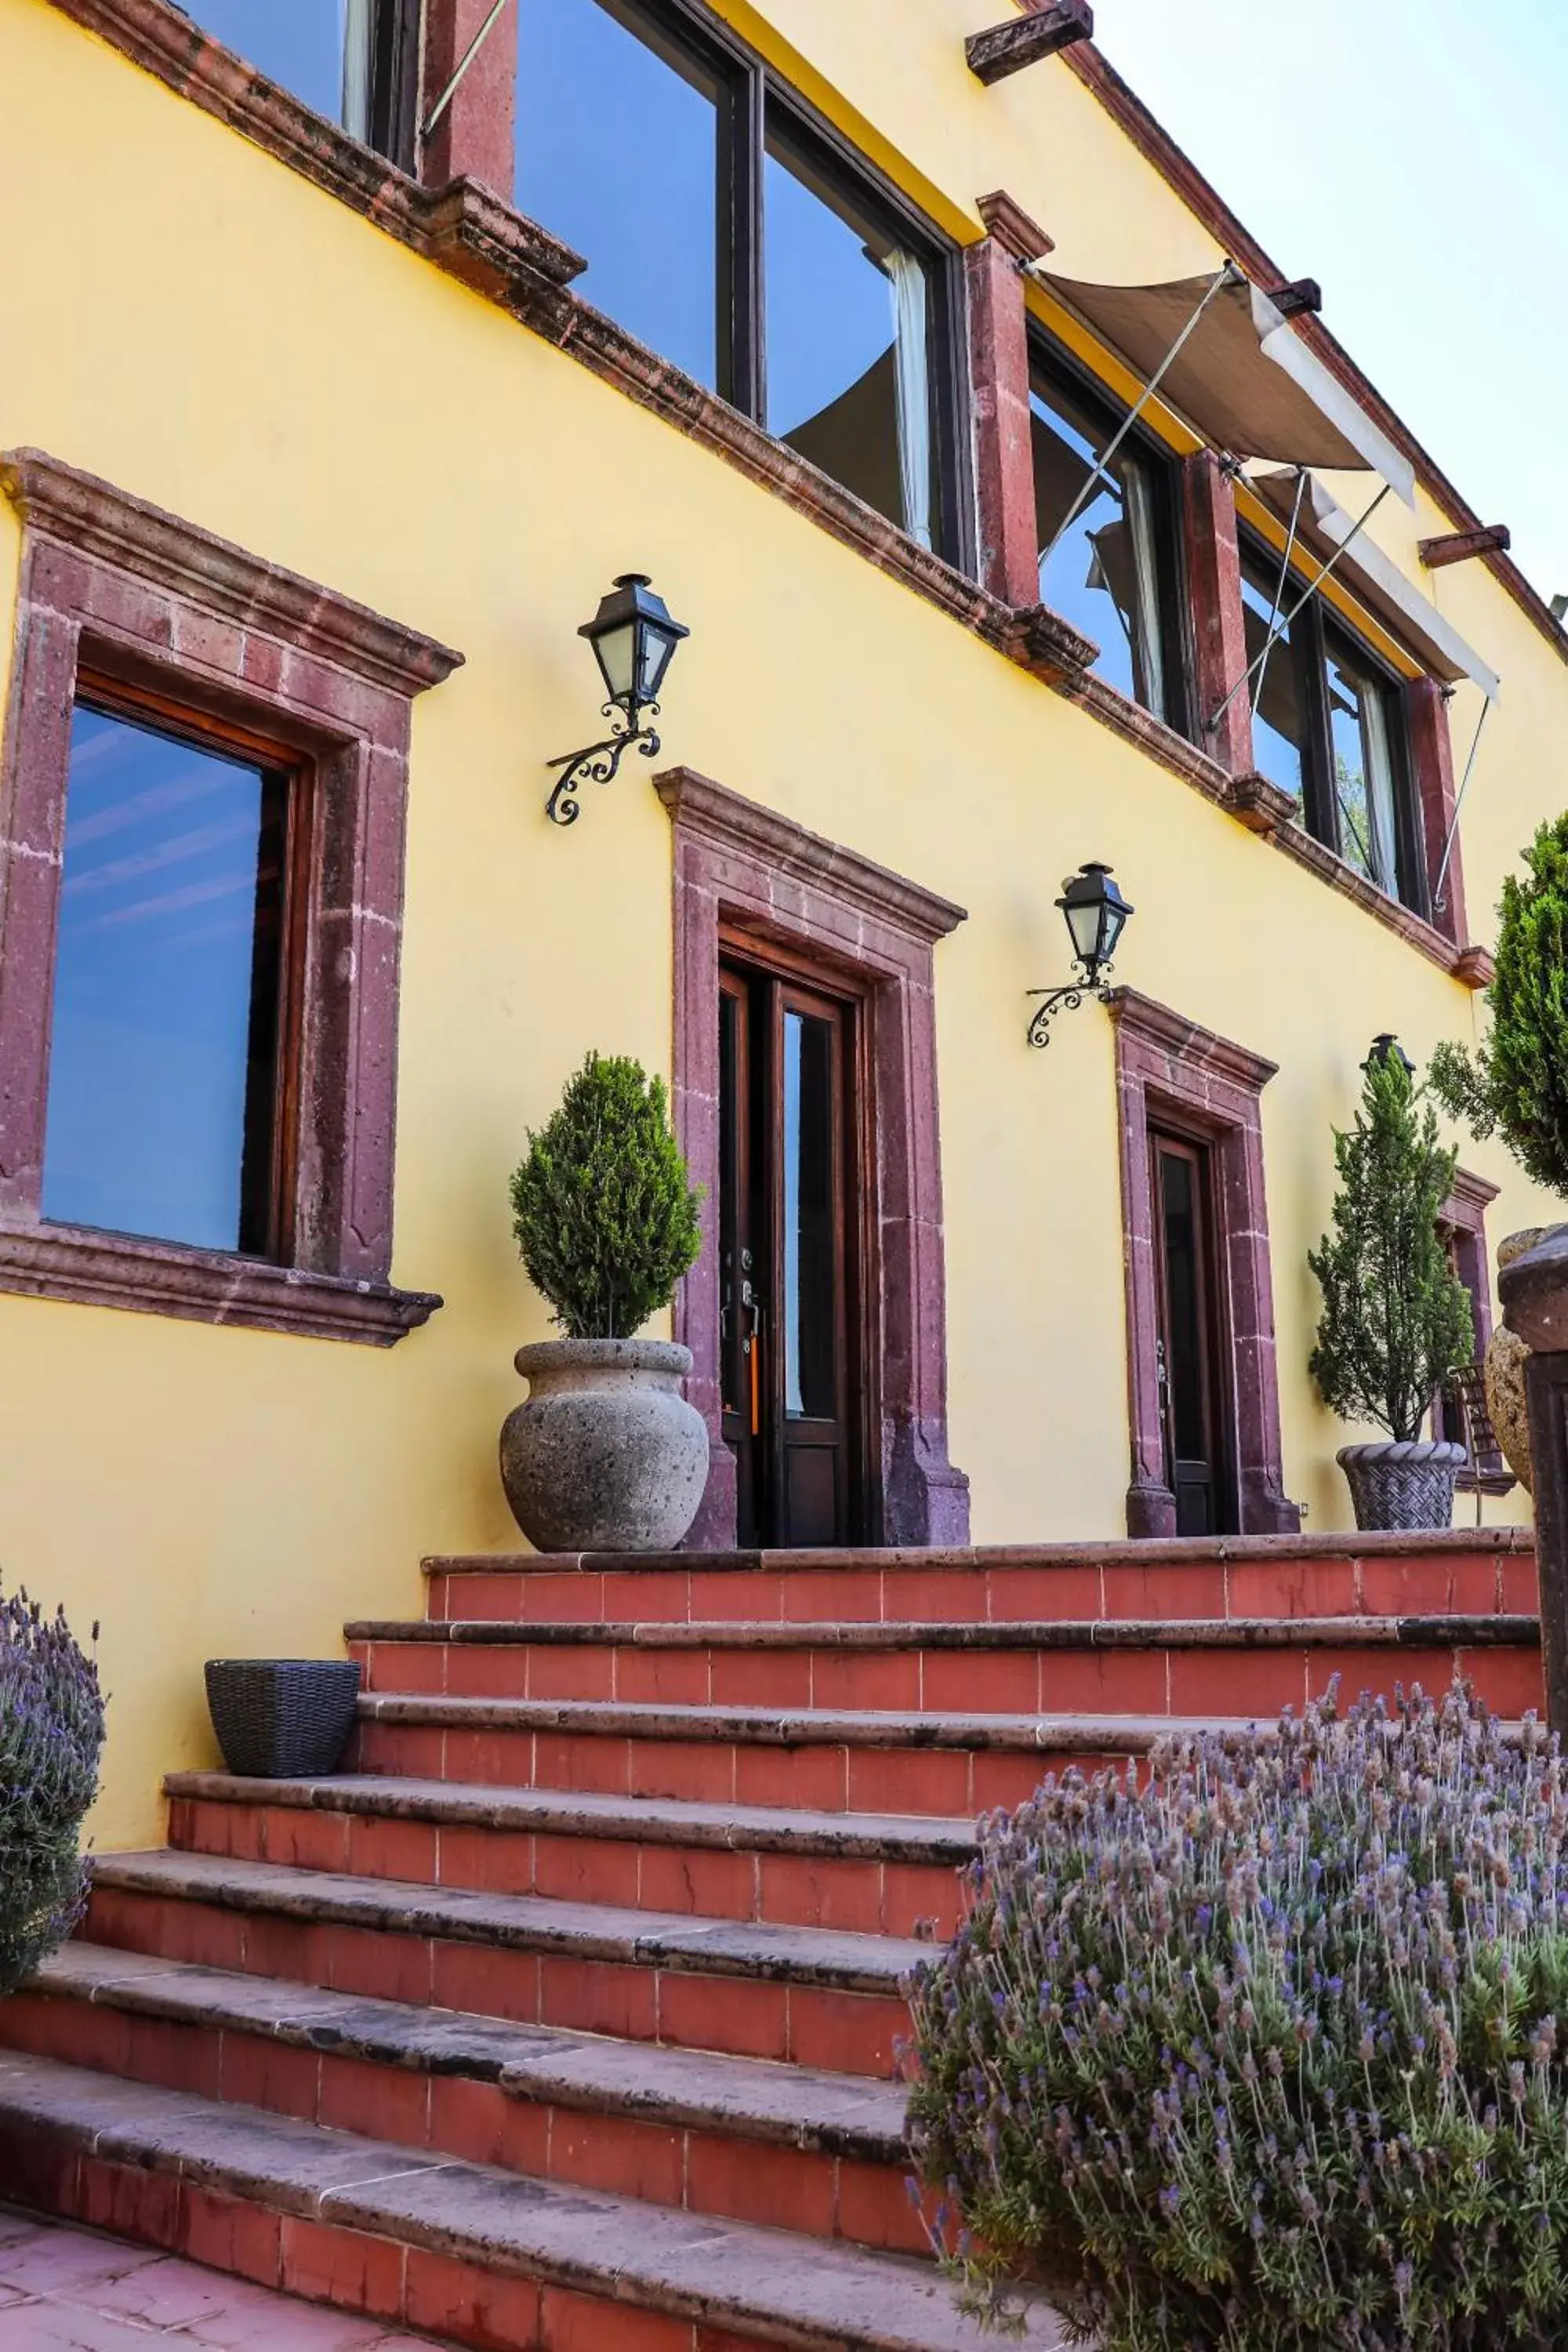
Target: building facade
[(339, 382)]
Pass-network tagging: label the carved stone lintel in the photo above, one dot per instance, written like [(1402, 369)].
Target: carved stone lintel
[(1012, 228)]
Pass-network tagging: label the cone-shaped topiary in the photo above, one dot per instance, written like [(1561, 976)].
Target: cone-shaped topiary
[(1397, 1318), (605, 1217), (51, 1735), (1516, 1085)]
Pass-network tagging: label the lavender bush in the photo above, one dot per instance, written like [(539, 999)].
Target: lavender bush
[(51, 1735), (1272, 2057)]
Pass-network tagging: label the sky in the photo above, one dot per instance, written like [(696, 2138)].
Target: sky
[(1412, 155)]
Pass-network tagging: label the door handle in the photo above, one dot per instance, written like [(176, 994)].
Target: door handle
[(752, 1348)]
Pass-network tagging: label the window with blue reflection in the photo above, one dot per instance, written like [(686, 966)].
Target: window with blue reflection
[(164, 1042), (848, 339), (618, 153), (1278, 721), (1365, 804), (1100, 527), (320, 50)]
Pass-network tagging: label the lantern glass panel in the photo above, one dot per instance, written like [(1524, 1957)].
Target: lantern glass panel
[(658, 652), (1084, 924), (617, 656)]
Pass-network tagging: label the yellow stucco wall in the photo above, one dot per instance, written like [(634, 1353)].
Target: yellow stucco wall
[(182, 315)]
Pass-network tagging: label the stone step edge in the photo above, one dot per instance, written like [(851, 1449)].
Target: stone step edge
[(835, 1958), (755, 2281), (786, 1727), (563, 1813), (741, 2098), (1492, 1630), (1214, 1551)]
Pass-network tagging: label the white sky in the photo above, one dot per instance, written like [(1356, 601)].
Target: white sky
[(1413, 156)]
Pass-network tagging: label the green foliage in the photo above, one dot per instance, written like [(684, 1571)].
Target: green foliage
[(1272, 2054), (51, 1735), (1516, 1085), (605, 1215), (1397, 1318)]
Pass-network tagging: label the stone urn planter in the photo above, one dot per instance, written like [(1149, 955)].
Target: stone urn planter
[(606, 1454), (1403, 1486), (1506, 1361)]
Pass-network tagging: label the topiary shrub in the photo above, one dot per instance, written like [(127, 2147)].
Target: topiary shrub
[(605, 1217), (51, 1736), (1397, 1318), (1272, 2056), (1516, 1085)]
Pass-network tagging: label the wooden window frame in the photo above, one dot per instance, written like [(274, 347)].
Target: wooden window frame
[(149, 610), (1174, 1077), (747, 875), (1316, 631), (754, 94)]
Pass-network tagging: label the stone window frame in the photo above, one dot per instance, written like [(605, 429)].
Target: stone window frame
[(1211, 1089), (738, 866), (130, 594), (1463, 1220)]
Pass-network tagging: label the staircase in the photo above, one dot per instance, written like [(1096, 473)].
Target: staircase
[(567, 2021)]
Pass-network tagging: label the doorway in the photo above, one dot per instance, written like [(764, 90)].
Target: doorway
[(791, 1260), (1190, 1341)]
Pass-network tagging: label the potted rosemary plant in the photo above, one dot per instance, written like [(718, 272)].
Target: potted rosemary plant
[(1397, 1318)]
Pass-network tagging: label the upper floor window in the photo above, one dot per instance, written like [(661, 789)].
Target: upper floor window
[(354, 61), (1109, 535), (1328, 727), (731, 232)]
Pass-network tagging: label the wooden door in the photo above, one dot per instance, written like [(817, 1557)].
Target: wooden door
[(792, 1376), (1190, 1341)]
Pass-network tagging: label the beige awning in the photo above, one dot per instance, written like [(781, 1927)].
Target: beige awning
[(1244, 379), (1324, 528)]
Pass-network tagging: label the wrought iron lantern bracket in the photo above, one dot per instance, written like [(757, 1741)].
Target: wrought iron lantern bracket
[(599, 763), (1066, 999)]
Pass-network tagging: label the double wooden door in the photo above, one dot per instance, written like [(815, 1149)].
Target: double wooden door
[(1193, 1341), (789, 1274)]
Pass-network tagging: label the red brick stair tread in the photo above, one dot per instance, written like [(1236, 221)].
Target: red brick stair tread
[(1059, 1734), (1164, 1551), (795, 2107), (564, 1812), (755, 2281), (671, 1941), (1492, 1629)]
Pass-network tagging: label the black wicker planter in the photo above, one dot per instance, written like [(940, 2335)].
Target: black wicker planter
[(282, 1718)]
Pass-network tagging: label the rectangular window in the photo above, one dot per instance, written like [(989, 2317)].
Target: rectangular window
[(1329, 726), (353, 60), (732, 235), (163, 1098), (1108, 535)]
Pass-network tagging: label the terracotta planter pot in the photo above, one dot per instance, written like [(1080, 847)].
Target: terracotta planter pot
[(606, 1454), (1403, 1486)]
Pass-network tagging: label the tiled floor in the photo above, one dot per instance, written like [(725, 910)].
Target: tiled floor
[(66, 2290)]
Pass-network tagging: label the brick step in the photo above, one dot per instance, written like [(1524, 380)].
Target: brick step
[(957, 1765), (822, 2154), (1475, 1571), (807, 1997), (463, 2251), (1204, 1666), (877, 1874)]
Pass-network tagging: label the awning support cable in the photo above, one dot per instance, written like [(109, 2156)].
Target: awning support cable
[(1229, 276), (1278, 631), (1440, 901), (1281, 585), (470, 53)]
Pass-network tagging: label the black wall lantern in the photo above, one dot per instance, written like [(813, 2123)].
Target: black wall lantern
[(1095, 916), (634, 640)]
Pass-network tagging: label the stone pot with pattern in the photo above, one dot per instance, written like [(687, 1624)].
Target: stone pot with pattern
[(1506, 1362)]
